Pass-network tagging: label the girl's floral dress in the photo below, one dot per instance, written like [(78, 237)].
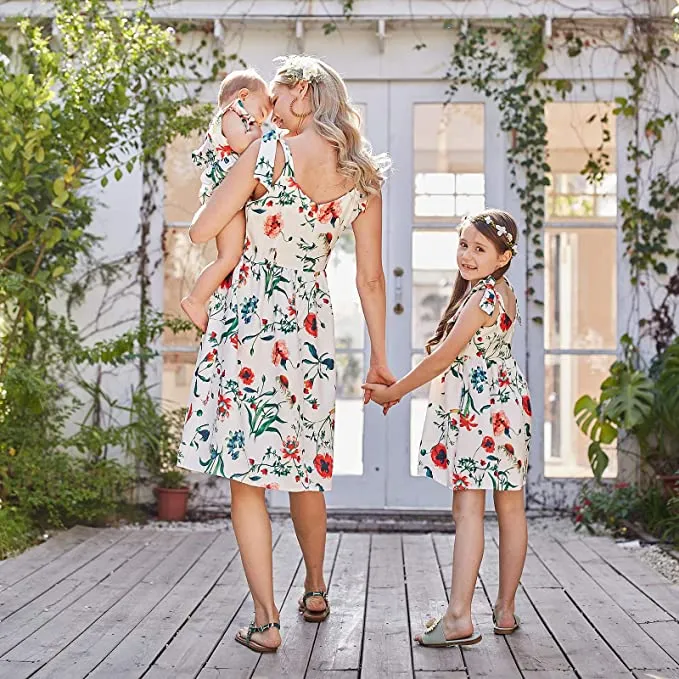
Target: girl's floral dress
[(215, 154), (262, 405), (477, 429)]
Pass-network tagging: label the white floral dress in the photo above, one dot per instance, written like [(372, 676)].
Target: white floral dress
[(478, 425), (262, 404), (215, 155)]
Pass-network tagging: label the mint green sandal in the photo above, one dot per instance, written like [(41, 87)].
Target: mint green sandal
[(253, 645), (435, 637), (314, 616), (506, 630)]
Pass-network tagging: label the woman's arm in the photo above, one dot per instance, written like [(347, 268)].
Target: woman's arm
[(470, 320), (227, 199), (371, 286)]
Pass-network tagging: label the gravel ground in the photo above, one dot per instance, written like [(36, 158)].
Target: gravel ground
[(558, 527)]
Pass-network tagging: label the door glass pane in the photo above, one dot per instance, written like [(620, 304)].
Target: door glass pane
[(182, 180), (434, 270), (349, 333), (566, 379), (448, 157), (580, 288)]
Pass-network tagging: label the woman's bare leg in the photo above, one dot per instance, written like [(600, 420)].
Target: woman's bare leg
[(308, 513), (252, 528), (511, 517)]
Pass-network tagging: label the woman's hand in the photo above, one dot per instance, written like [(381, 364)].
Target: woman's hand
[(380, 393), (377, 374)]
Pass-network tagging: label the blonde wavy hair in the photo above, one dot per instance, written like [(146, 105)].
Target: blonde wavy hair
[(336, 120)]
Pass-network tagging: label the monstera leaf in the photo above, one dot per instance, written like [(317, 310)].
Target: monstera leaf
[(626, 396), (598, 460), (592, 423)]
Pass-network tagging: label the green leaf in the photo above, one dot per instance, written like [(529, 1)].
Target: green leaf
[(118, 174), (626, 396), (591, 423), (598, 460)]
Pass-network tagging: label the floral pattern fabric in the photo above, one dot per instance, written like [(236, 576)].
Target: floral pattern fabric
[(262, 404), (478, 424), (215, 154)]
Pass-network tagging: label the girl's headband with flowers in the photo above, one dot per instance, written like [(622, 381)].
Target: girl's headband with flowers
[(500, 230), (302, 68)]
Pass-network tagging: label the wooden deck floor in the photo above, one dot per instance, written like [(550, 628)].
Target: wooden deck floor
[(162, 605)]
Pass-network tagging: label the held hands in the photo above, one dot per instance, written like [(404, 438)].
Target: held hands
[(377, 382)]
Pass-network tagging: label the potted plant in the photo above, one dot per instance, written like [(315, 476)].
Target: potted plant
[(154, 436)]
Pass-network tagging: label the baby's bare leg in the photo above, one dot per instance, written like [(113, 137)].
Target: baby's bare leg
[(229, 250)]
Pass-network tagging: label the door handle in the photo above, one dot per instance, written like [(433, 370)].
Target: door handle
[(398, 291)]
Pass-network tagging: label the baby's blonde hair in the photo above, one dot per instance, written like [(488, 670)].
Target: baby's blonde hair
[(336, 120), (237, 80)]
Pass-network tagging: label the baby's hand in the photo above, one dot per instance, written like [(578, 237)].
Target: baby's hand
[(379, 393)]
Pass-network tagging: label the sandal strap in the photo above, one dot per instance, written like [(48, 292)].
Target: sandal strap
[(252, 629), (309, 595)]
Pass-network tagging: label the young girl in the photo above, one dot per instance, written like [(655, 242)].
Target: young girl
[(243, 105), (477, 429)]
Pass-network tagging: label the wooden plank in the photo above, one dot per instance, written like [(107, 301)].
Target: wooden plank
[(536, 575), (93, 645), (387, 644), (666, 634), (41, 610), (550, 674), (235, 660), (331, 674), (339, 640), (16, 596), (427, 598), (441, 675), (636, 649), (17, 568), (641, 575), (59, 632), (136, 652), (587, 652), (293, 655), (632, 600), (443, 546), (196, 640), (651, 674)]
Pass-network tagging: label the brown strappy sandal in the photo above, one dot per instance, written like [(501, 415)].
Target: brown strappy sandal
[(314, 616)]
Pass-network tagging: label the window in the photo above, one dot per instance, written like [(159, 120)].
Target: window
[(580, 330)]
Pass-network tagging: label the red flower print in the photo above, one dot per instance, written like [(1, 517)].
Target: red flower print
[(488, 444), (224, 150), (265, 472), (227, 282), (328, 237), (467, 422), (243, 274), (284, 381), (272, 486), (323, 464), (439, 456), (314, 405), (210, 356), (273, 225), (509, 448), (292, 183), (525, 401), (188, 415), (460, 482), (269, 203), (311, 325), (501, 423), (503, 378), (280, 353), (235, 341), (505, 322), (246, 375), (290, 449), (291, 310), (328, 212)]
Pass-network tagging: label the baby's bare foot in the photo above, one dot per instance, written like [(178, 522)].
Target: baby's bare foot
[(196, 312)]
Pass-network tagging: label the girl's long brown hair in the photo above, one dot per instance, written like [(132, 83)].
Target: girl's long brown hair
[(501, 243)]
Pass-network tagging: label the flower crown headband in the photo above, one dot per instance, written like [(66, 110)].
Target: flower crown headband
[(501, 231), (302, 68)]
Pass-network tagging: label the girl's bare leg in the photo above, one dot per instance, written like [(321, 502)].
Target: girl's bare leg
[(468, 513), (252, 528), (229, 250), (511, 517)]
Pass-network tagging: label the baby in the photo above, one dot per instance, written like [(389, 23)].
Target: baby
[(244, 104)]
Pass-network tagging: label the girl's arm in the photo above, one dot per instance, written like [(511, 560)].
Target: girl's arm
[(371, 287), (227, 199), (238, 138), (470, 320)]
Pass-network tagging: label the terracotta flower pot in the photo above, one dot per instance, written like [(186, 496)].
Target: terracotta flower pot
[(172, 503), (670, 484)]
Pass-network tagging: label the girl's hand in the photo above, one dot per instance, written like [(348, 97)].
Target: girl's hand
[(379, 374), (378, 393)]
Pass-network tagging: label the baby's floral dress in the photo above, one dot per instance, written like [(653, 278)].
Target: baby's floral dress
[(262, 404), (215, 155), (478, 424)]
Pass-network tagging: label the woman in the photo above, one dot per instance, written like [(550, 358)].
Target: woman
[(263, 400)]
